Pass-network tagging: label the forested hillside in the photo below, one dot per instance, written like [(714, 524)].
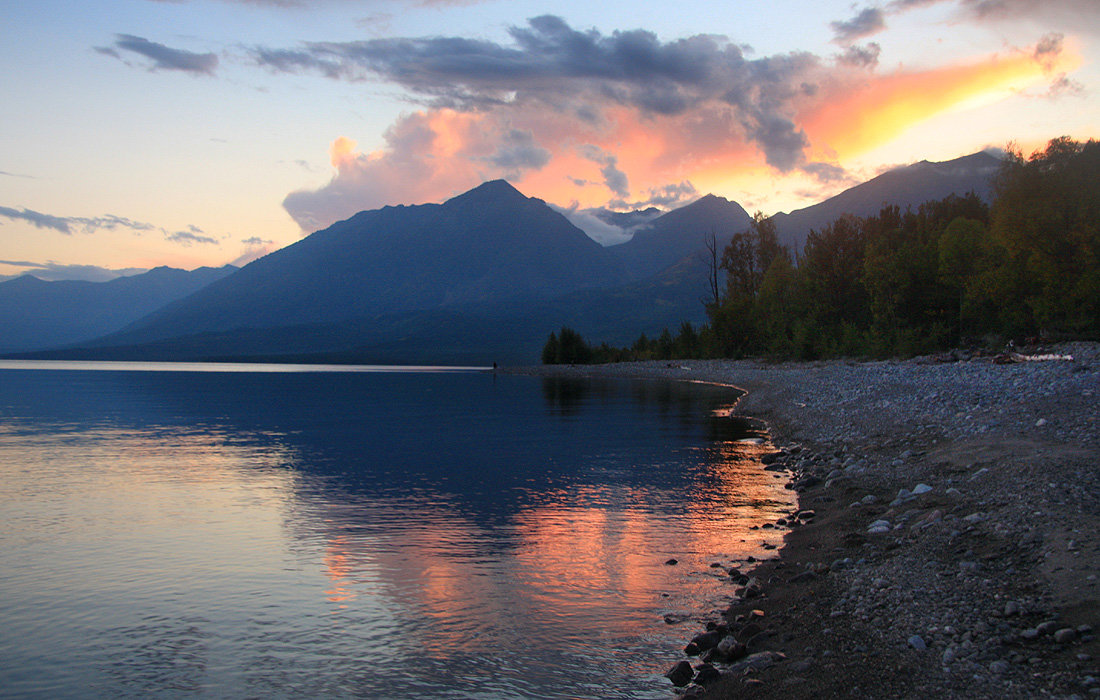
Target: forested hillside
[(948, 273)]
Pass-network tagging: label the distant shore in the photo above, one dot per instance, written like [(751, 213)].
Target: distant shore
[(954, 546)]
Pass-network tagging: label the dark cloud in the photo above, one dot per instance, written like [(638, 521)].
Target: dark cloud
[(1048, 49), (297, 61), (256, 240), (868, 22), (71, 224), (570, 70), (1079, 15), (664, 197), (1084, 11), (5, 173), (668, 196), (38, 219), (783, 142), (108, 222), (613, 178), (861, 56), (519, 152), (193, 234), (163, 57), (1063, 86), (1046, 54), (828, 173)]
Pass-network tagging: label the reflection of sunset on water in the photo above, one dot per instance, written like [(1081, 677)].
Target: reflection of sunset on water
[(275, 534), (339, 568), (574, 550), (576, 555)]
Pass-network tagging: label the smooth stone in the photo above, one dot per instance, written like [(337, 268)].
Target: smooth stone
[(921, 489), (999, 667), (917, 643), (707, 640), (1048, 627), (758, 661), (1065, 635), (680, 674), (706, 674)]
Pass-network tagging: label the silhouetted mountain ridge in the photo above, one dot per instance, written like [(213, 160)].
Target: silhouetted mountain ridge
[(487, 274), (35, 314), (910, 185), (485, 246)]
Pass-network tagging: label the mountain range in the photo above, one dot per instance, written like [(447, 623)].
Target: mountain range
[(482, 277), (35, 315)]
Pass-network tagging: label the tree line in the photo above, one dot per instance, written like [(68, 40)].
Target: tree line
[(954, 272)]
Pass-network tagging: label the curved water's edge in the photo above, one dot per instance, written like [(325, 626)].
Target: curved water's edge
[(733, 639)]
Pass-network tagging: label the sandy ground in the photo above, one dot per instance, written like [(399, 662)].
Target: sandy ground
[(982, 584)]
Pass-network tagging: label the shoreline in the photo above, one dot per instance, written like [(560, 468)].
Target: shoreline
[(954, 549)]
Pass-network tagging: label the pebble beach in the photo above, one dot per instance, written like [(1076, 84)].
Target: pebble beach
[(946, 542)]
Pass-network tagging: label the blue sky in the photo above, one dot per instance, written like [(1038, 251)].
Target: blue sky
[(138, 133)]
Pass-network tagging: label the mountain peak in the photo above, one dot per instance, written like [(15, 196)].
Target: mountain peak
[(710, 198), (494, 191), (26, 280), (713, 204)]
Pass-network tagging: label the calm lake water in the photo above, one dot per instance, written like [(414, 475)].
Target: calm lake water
[(266, 531)]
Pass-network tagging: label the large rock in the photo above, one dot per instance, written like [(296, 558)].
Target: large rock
[(756, 662), (680, 674), (707, 640), (706, 674)]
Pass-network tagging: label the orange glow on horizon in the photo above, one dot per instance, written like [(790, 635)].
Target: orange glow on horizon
[(883, 109)]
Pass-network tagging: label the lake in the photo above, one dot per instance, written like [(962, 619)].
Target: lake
[(287, 531)]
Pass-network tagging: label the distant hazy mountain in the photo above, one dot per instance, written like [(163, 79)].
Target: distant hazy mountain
[(35, 314), (485, 247), (911, 185), (679, 233)]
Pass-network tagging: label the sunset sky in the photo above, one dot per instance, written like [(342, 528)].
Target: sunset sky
[(137, 133)]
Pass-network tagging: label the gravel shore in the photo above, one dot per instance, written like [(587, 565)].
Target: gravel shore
[(951, 548)]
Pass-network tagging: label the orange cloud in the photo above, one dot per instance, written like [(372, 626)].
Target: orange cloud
[(853, 121), (600, 150)]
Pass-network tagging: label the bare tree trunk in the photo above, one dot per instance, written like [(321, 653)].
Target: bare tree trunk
[(711, 242)]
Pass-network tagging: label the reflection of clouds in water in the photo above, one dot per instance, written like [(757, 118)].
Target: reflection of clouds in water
[(325, 548), (579, 564)]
